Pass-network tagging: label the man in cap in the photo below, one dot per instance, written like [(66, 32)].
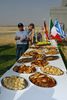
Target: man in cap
[(21, 41)]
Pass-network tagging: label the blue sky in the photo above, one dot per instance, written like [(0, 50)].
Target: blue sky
[(26, 11)]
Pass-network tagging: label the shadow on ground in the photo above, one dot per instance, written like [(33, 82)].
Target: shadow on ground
[(65, 61), (5, 47), (6, 58), (2, 71)]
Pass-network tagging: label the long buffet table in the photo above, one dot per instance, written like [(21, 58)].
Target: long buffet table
[(33, 92)]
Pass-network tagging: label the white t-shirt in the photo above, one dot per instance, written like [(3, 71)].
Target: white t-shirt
[(23, 35)]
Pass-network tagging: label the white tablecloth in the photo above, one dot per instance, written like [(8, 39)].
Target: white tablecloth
[(32, 92)]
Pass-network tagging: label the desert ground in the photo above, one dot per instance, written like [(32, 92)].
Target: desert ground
[(7, 34)]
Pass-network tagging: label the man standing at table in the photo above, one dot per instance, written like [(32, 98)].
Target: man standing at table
[(21, 41)]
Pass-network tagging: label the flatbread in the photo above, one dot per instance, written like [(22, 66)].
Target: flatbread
[(42, 80), (52, 70)]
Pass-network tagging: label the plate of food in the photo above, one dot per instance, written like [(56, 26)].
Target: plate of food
[(51, 51), (39, 63), (14, 83), (24, 69), (36, 47), (42, 80), (43, 43), (39, 56), (39, 51), (30, 53), (51, 47), (48, 69), (25, 59), (51, 58)]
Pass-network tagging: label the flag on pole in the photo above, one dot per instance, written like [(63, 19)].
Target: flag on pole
[(46, 30), (59, 29), (51, 25), (55, 35)]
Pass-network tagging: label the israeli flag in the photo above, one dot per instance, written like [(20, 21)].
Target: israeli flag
[(59, 29)]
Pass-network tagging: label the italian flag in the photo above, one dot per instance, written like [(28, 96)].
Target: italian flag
[(55, 35), (51, 25)]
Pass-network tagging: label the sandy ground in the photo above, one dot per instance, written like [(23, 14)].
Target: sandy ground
[(13, 29), (7, 29), (7, 34), (7, 39)]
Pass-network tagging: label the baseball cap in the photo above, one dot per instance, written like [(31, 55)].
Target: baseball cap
[(20, 25)]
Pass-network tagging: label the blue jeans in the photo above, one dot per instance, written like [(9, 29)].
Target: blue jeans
[(20, 49)]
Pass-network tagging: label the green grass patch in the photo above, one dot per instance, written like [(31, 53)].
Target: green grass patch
[(62, 50), (7, 57), (63, 57)]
